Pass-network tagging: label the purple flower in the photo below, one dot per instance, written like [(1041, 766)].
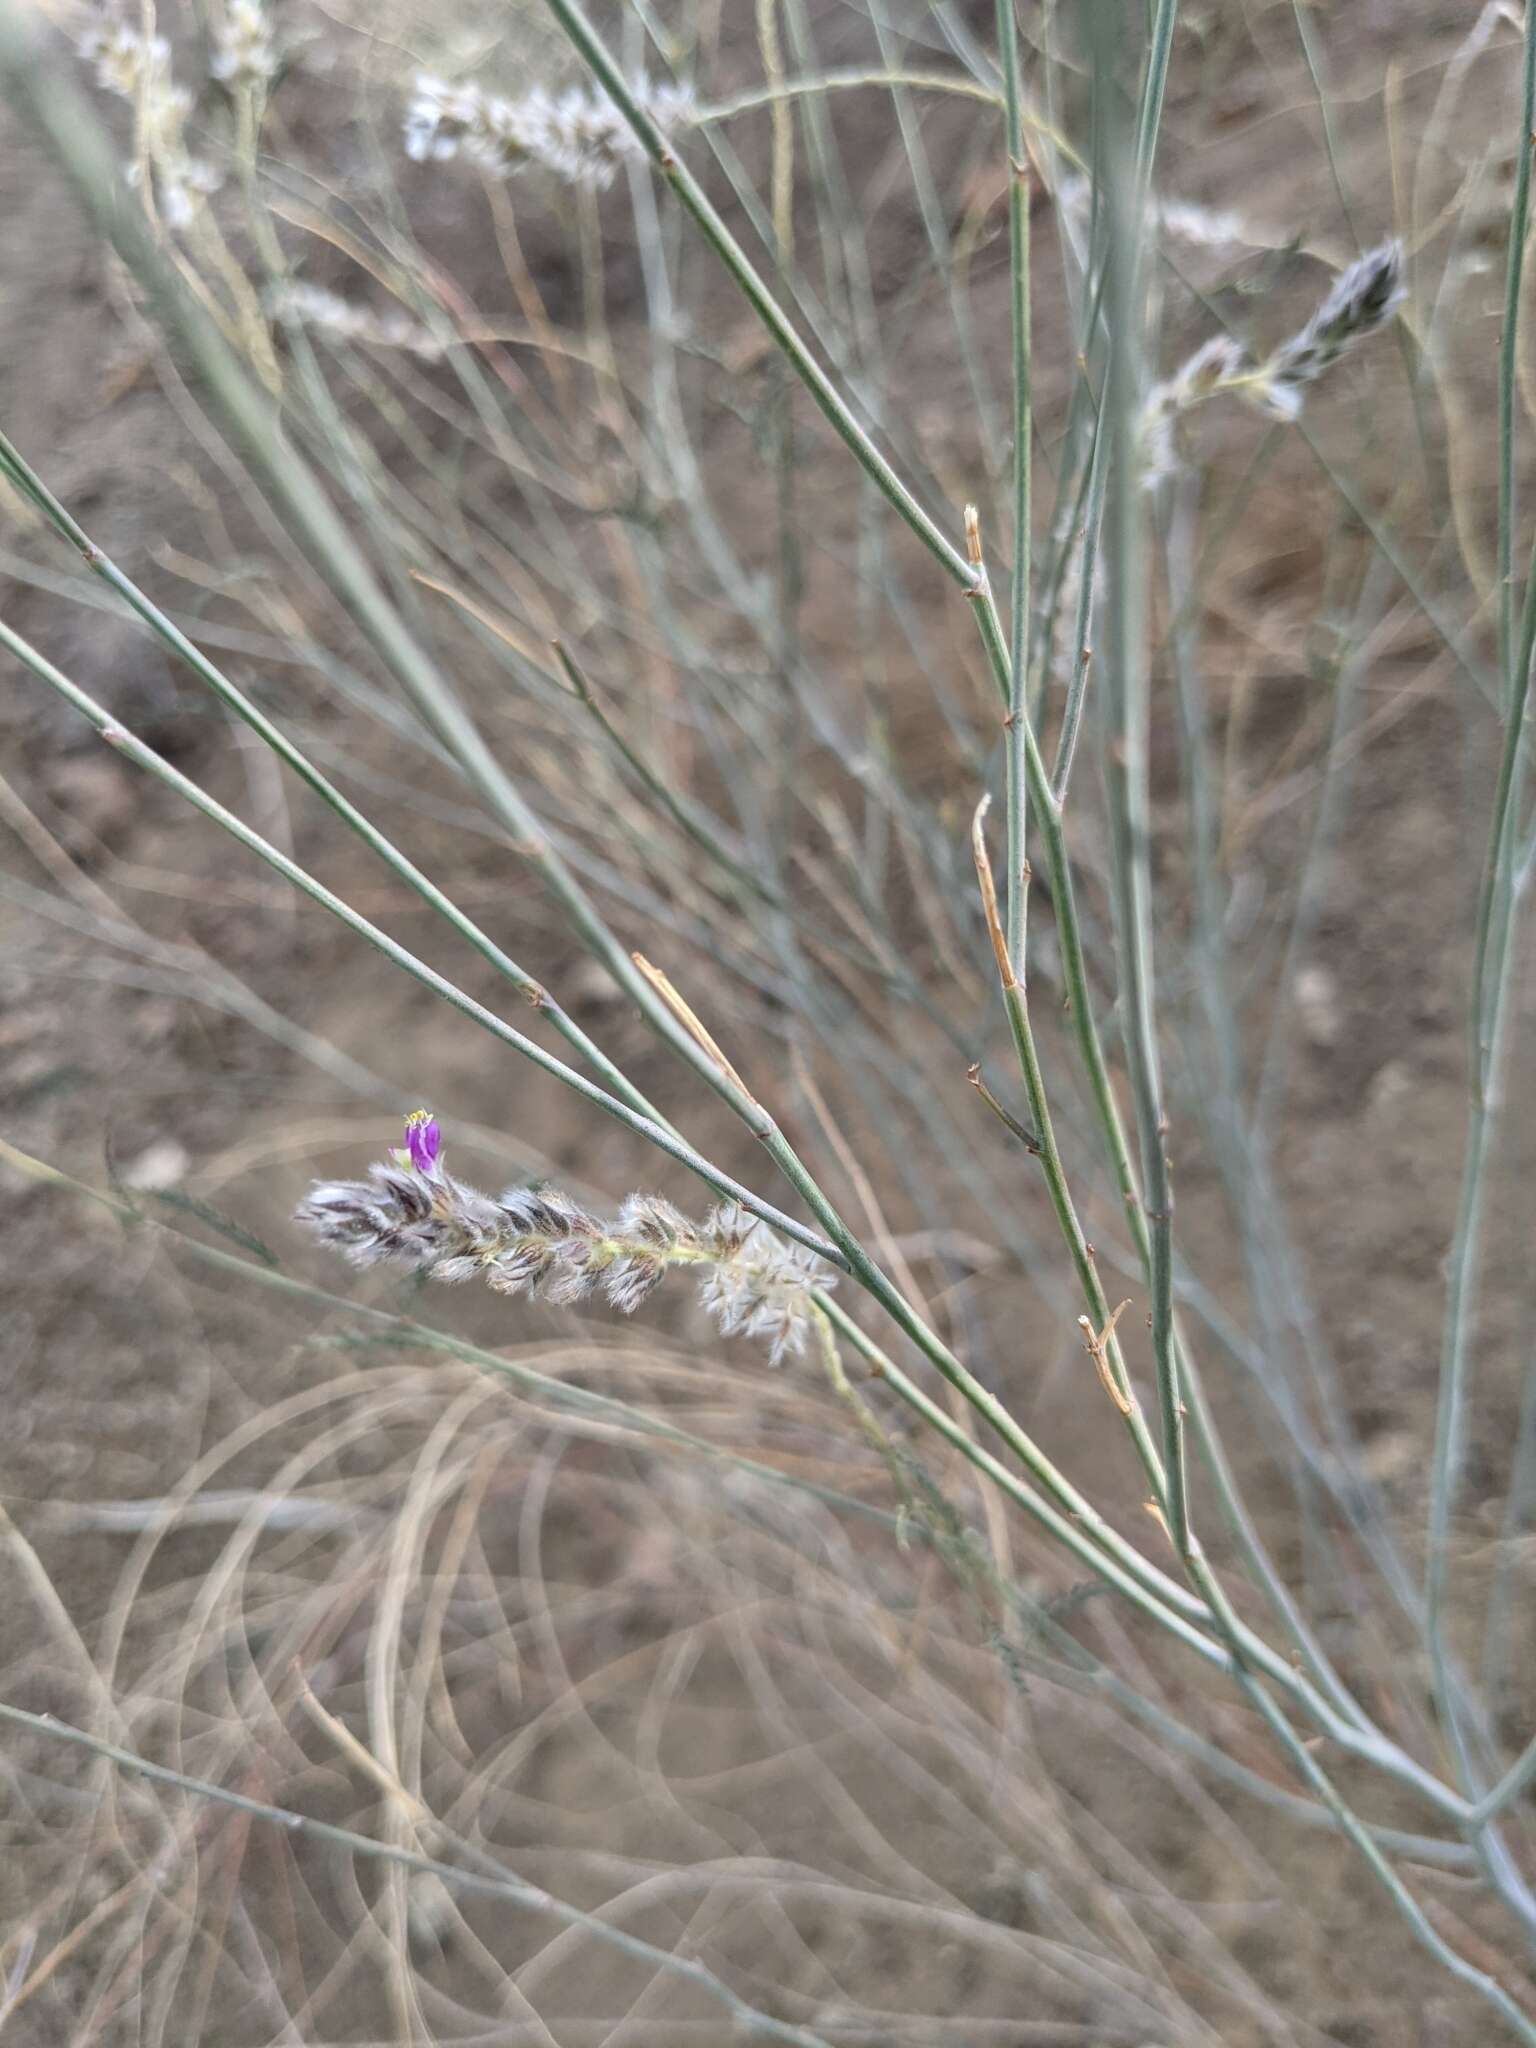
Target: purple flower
[(423, 1140)]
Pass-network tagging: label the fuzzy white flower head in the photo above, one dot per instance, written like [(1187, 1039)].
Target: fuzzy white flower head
[(311, 305), (441, 118), (1203, 227), (759, 1286), (580, 135), (127, 62), (1363, 298), (243, 52), (1215, 364), (138, 68), (1182, 220), (181, 184)]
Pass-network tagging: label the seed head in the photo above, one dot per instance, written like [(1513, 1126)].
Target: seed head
[(411, 1212), (759, 1286), (127, 62), (242, 52), (1215, 363), (311, 305), (138, 68), (1364, 297), (579, 134)]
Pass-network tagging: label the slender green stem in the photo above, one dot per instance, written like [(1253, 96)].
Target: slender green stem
[(1516, 1780), (1019, 607), (1149, 117), (1514, 272), (1489, 1051), (1082, 651), (1502, 1642), (850, 79), (934, 213), (1312, 58), (1103, 1343), (1490, 1001), (993, 1412), (1497, 885), (1128, 714)]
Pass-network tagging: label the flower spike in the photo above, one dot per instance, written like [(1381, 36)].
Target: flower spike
[(412, 1212)]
